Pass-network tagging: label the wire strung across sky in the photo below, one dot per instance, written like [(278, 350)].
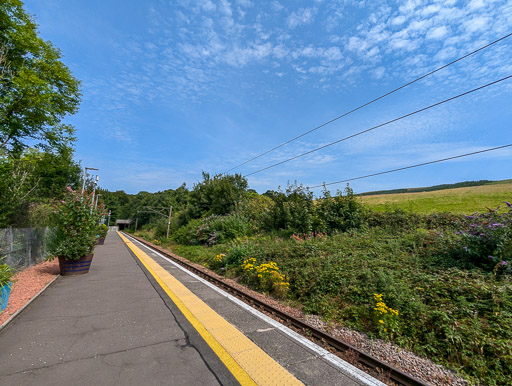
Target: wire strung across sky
[(410, 167), (370, 102), (380, 125)]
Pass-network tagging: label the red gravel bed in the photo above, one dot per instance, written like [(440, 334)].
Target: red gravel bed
[(27, 284)]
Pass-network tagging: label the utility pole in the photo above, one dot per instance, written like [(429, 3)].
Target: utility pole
[(136, 222), (169, 222), (108, 221)]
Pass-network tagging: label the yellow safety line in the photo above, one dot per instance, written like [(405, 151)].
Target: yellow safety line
[(248, 363)]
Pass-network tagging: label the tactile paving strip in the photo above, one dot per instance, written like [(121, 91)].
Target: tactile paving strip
[(247, 362)]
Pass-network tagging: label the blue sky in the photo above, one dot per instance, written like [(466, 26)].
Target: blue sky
[(171, 88)]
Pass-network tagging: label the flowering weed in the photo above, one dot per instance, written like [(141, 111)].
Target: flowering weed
[(265, 276), (386, 318)]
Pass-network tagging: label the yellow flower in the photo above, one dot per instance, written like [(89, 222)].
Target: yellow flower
[(381, 321)]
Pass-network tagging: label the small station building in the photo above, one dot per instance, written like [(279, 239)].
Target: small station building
[(122, 224)]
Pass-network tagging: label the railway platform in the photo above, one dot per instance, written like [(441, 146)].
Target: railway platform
[(139, 318)]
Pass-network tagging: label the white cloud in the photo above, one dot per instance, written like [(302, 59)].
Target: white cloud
[(399, 20), (446, 53), (431, 9), (437, 32), (208, 6), (476, 24), (276, 5), (404, 44), (476, 4), (378, 73), (300, 17)]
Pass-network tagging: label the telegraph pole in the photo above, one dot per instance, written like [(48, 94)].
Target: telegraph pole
[(169, 222)]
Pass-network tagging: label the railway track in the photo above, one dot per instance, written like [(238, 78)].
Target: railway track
[(349, 352)]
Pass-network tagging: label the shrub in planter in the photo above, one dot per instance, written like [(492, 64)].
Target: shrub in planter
[(5, 285), (102, 233), (74, 236)]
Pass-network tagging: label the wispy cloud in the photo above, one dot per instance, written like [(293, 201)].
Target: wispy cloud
[(230, 55), (300, 17)]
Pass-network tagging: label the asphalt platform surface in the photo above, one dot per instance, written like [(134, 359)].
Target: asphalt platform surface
[(115, 326)]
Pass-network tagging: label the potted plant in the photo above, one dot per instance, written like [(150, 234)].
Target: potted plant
[(5, 285), (73, 238), (102, 233)]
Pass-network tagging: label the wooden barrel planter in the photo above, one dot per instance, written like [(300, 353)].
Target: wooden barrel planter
[(101, 240), (75, 267), (5, 290)]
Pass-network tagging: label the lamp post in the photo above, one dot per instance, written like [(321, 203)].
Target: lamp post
[(96, 203), (94, 190), (85, 177)]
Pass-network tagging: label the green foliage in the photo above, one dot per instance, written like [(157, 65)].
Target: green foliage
[(339, 213), (160, 227), (213, 229), (142, 206), (187, 234), (258, 210), (293, 209), (76, 227), (238, 253), (102, 230), (35, 178), (485, 242), (6, 274), (264, 277), (456, 313), (36, 89), (219, 195), (40, 215)]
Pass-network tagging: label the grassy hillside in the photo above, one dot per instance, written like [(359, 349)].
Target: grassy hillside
[(459, 200)]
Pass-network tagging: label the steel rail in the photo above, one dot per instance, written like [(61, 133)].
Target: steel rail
[(393, 373)]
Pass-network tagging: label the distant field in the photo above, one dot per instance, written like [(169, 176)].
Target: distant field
[(459, 200)]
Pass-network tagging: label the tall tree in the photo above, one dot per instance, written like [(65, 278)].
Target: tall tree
[(36, 89)]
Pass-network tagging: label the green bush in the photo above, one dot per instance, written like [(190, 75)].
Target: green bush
[(74, 234), (102, 230), (258, 210), (6, 274), (485, 242), (213, 230), (160, 228), (292, 210), (187, 234), (339, 213)]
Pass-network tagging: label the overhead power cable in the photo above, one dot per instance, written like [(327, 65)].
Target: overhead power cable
[(410, 167), (370, 102), (380, 125)]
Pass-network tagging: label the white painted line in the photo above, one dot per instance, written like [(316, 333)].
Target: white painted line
[(346, 367)]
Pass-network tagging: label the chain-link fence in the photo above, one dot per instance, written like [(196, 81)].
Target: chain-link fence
[(23, 247)]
